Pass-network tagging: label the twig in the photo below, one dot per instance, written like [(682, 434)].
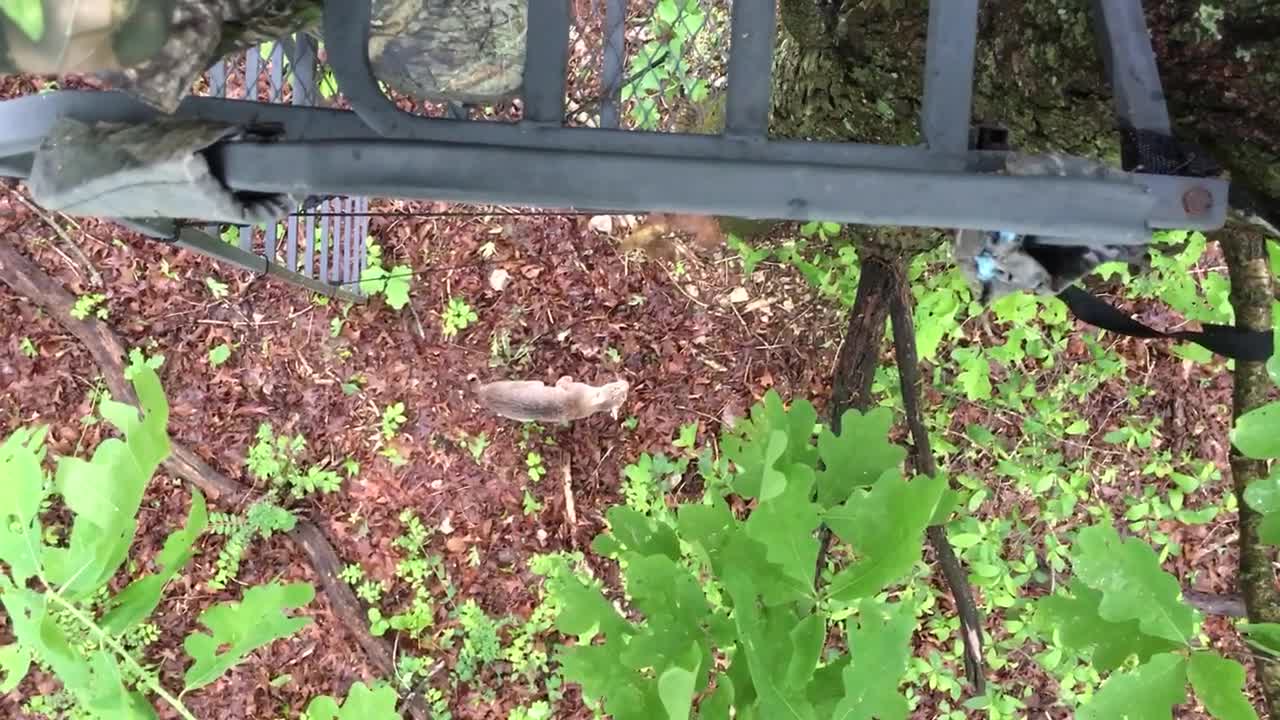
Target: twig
[(570, 510), (904, 343), (94, 276)]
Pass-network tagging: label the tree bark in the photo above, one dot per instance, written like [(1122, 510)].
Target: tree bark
[(1251, 298)]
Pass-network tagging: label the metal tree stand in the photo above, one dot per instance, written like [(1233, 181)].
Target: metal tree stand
[(376, 150)]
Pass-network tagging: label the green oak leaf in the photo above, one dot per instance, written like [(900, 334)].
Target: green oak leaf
[(1148, 692), (1219, 683), (239, 628), (1257, 432)]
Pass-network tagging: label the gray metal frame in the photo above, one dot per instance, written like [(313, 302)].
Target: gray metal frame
[(742, 172), (380, 151)]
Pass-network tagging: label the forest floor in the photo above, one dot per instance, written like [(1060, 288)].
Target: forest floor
[(699, 341), (696, 349)]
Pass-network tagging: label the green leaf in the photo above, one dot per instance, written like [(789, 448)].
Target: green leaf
[(807, 639), (886, 527), (106, 492), (975, 378), (27, 15), (786, 523), (676, 686), (717, 705), (641, 534), (1219, 683), (1257, 432), (879, 649), (763, 633), (243, 627), (1263, 636), (584, 611), (15, 661), (141, 597), (1264, 497), (1075, 618), (858, 456), (775, 437), (1148, 692), (219, 355), (21, 545), (362, 703), (397, 289), (1133, 585)]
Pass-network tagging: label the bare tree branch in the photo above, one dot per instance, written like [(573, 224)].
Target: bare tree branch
[(904, 343)]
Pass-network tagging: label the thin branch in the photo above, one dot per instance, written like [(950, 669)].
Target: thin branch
[(904, 342)]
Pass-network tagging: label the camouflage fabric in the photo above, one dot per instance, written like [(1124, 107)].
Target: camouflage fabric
[(998, 263), (463, 50), (53, 37), (153, 169)]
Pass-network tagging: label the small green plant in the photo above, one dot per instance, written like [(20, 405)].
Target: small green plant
[(533, 466), (362, 703), (393, 284), (28, 348), (230, 235), (219, 354), (481, 642), (688, 436), (475, 444), (539, 710), (501, 353), (277, 460), (393, 418), (531, 504), (631, 423), (217, 288), (90, 304), (457, 316), (57, 595), (417, 569)]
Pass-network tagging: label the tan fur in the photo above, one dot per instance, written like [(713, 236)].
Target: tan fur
[(530, 400)]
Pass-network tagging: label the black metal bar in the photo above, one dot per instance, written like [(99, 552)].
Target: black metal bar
[(277, 73), (1125, 45), (750, 68), (252, 68), (305, 91), (615, 54), (309, 249), (291, 237), (1119, 212), (948, 75), (546, 61), (27, 120)]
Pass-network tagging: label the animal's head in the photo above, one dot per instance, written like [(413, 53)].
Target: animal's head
[(612, 395)]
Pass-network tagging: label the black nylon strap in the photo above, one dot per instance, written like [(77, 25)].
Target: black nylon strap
[(1224, 340)]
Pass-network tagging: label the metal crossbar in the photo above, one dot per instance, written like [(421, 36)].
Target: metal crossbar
[(741, 172), (548, 159)]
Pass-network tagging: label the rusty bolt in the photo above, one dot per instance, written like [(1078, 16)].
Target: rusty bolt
[(1197, 201)]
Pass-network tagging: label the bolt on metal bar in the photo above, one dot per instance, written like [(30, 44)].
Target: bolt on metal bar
[(546, 61), (948, 74), (753, 29), (1125, 45)]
